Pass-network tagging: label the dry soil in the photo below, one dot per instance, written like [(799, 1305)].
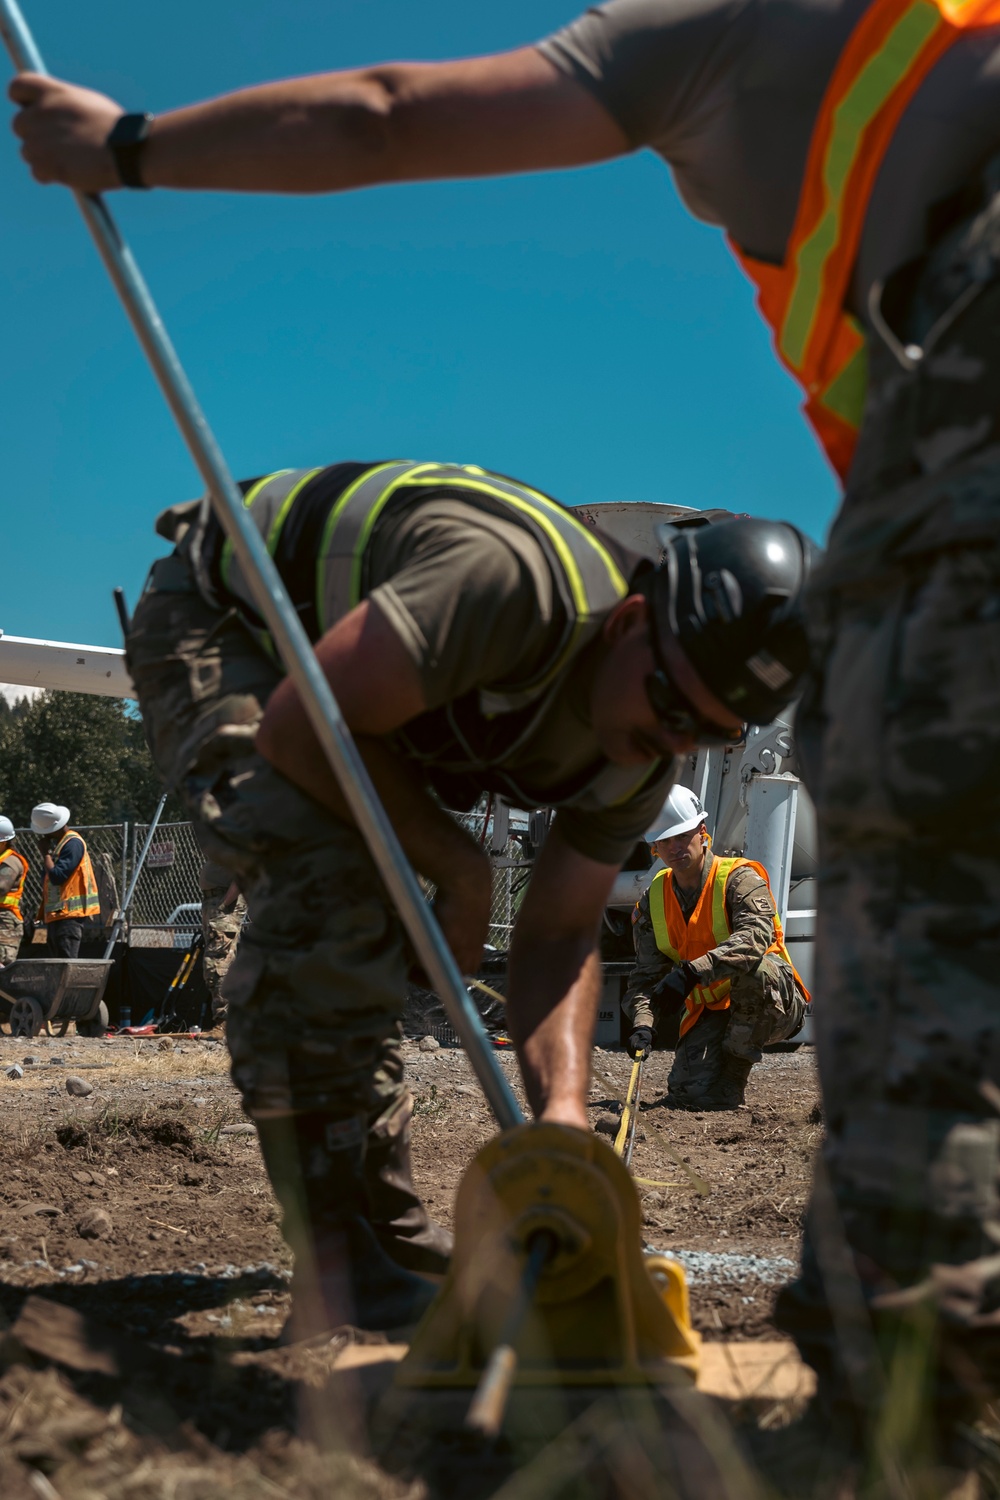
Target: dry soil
[(142, 1212)]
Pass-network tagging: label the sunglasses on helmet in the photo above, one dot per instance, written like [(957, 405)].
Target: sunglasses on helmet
[(679, 716)]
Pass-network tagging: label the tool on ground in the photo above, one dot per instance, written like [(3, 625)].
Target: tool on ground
[(282, 621), (487, 990), (602, 1313), (168, 1019), (490, 1401), (627, 1130)]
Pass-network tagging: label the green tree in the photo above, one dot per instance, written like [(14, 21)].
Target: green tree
[(84, 752)]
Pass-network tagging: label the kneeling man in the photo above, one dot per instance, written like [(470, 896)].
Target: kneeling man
[(708, 938)]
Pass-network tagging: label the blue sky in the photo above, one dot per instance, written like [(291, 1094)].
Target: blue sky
[(576, 329)]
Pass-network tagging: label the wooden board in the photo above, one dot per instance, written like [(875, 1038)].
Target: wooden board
[(752, 1371)]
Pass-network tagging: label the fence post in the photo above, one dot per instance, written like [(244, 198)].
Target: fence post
[(124, 885)]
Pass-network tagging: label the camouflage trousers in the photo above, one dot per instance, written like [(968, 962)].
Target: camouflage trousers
[(900, 742), (764, 1007), (316, 986), (220, 928), (10, 937)]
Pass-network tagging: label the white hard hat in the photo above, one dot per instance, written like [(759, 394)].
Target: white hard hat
[(681, 813), (48, 817), (6, 830)]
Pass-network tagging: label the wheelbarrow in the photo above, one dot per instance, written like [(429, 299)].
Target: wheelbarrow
[(42, 990)]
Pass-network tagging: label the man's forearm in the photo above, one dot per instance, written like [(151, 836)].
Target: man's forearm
[(432, 841), (554, 990)]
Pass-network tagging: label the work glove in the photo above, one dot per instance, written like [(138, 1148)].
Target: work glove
[(677, 985), (640, 1043)]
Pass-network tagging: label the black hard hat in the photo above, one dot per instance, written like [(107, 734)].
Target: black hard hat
[(732, 595)]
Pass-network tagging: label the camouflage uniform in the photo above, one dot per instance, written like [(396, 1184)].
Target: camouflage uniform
[(221, 926), (322, 924), (765, 1003), (11, 928), (10, 937), (900, 739)]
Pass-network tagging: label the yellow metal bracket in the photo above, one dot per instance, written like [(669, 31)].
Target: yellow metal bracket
[(603, 1312)]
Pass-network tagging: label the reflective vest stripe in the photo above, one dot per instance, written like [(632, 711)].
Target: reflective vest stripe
[(548, 515), (11, 900), (890, 52), (347, 533), (78, 897), (227, 557), (553, 519), (274, 532)]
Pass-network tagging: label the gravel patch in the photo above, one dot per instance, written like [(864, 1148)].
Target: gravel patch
[(728, 1265)]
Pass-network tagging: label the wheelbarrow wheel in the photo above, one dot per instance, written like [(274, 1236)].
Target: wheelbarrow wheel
[(97, 1026), (26, 1018)]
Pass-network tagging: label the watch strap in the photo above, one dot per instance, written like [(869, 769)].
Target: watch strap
[(126, 141)]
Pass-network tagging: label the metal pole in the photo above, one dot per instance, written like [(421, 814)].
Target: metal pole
[(119, 922), (282, 621)]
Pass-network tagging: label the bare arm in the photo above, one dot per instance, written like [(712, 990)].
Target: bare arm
[(555, 979), (378, 689), (399, 122)]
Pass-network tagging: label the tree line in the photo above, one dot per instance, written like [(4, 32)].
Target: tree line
[(87, 753)]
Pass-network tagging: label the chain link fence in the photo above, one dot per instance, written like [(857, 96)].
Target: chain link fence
[(170, 877)]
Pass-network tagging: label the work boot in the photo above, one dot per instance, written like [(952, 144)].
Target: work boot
[(729, 1089), (404, 1228), (342, 1274)]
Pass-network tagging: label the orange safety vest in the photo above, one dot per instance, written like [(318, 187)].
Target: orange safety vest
[(890, 52), (78, 897), (11, 901), (681, 937)]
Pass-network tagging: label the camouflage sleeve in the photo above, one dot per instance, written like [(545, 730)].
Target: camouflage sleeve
[(650, 966), (10, 870), (751, 916)]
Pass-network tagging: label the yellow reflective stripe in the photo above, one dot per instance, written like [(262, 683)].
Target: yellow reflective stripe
[(845, 395), (577, 586), (226, 560), (704, 994), (563, 551), (658, 917), (851, 117), (274, 535), (720, 923), (331, 526)]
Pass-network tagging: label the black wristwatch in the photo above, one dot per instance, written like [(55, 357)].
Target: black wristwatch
[(125, 142)]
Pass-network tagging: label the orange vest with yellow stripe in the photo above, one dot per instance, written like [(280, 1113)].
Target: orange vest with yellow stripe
[(681, 937), (11, 900), (78, 897), (890, 52)]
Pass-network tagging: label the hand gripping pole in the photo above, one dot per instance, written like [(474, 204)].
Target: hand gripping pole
[(282, 621)]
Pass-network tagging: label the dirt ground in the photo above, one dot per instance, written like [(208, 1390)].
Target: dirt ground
[(142, 1211)]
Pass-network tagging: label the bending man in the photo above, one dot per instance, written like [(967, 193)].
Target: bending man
[(478, 637)]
